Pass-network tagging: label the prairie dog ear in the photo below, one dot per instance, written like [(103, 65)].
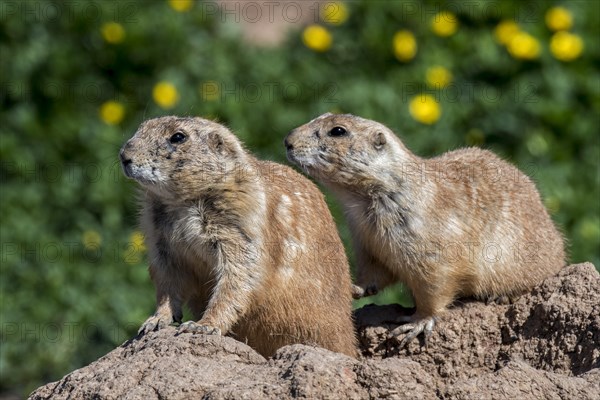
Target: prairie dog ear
[(378, 139), (215, 140), (223, 143)]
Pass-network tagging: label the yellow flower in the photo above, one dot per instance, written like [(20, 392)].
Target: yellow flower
[(210, 91), (524, 46), (334, 12), (505, 31), (136, 247), (559, 19), (444, 24), (317, 38), (165, 94), (137, 241), (181, 5), (405, 45), (566, 46), (438, 76), (425, 109), (113, 32), (91, 240), (112, 112)]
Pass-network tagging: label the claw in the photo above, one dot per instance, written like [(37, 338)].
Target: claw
[(357, 292), (148, 327), (193, 327), (413, 329), (152, 324), (371, 290), (428, 330), (360, 292)]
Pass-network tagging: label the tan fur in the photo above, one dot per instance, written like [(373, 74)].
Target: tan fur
[(248, 245), (465, 223)]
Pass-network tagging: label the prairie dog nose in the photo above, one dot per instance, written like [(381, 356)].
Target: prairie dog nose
[(287, 143)]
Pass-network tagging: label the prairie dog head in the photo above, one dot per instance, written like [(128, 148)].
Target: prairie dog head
[(181, 158), (345, 151)]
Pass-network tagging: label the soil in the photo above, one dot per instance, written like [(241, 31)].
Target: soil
[(546, 345)]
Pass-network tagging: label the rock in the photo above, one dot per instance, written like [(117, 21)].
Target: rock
[(162, 365), (519, 380), (545, 345)]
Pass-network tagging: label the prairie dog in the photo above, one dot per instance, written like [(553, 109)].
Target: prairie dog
[(465, 223), (250, 246)]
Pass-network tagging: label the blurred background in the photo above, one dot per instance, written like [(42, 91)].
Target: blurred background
[(78, 77)]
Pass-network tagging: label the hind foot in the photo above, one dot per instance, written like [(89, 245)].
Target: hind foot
[(413, 329)]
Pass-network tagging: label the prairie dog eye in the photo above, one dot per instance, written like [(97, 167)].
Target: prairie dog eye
[(178, 137), (337, 131)]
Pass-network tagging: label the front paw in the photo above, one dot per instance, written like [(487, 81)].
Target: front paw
[(193, 327), (154, 323), (360, 292)]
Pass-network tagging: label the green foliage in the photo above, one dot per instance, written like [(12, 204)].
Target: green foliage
[(73, 278)]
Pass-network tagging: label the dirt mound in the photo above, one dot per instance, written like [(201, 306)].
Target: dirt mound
[(545, 345)]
